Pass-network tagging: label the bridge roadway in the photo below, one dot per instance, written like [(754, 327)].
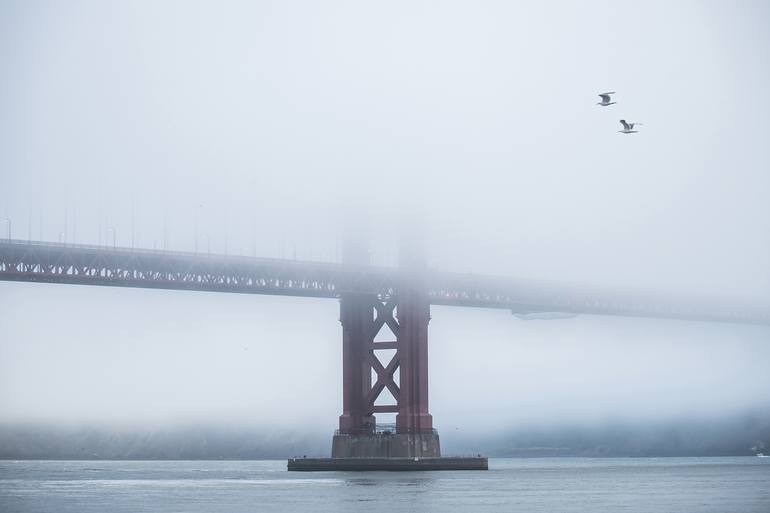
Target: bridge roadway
[(45, 262)]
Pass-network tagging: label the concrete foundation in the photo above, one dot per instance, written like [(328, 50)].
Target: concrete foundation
[(386, 445), (386, 450)]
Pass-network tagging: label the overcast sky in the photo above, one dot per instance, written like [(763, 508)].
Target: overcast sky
[(270, 122)]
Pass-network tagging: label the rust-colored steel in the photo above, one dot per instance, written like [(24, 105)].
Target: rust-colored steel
[(410, 360), (413, 317), (362, 317), (356, 319)]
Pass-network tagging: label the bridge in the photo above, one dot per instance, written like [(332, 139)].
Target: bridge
[(370, 298), (81, 264)]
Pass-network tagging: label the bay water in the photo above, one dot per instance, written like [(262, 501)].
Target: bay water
[(639, 485)]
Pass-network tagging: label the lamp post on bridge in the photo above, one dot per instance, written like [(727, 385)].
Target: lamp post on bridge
[(114, 236), (8, 220), (195, 221), (133, 222)]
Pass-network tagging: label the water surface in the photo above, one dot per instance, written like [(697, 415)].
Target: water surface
[(512, 485)]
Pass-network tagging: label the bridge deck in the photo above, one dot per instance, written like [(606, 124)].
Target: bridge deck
[(125, 267)]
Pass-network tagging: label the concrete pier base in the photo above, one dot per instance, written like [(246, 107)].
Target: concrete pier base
[(386, 445), (386, 450)]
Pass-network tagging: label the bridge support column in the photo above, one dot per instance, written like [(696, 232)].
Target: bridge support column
[(356, 319), (413, 318)]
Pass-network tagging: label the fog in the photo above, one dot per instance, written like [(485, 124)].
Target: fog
[(261, 128)]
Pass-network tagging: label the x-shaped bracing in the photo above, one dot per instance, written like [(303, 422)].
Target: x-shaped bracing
[(385, 374)]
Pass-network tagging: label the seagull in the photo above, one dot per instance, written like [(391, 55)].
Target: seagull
[(606, 99), (628, 128)]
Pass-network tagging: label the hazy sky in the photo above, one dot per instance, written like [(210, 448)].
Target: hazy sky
[(269, 122)]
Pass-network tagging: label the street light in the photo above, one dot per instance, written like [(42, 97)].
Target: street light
[(133, 230), (8, 220), (196, 226), (114, 236)]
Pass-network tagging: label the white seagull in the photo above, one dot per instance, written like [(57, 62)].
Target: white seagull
[(605, 99), (628, 128)]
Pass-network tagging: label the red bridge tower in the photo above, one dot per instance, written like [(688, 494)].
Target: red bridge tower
[(407, 313)]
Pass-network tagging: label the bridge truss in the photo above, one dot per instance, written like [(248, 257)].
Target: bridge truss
[(125, 267)]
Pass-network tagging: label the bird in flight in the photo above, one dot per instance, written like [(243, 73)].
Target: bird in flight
[(628, 128), (606, 99)]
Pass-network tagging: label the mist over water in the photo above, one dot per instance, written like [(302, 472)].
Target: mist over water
[(261, 128), (265, 366)]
